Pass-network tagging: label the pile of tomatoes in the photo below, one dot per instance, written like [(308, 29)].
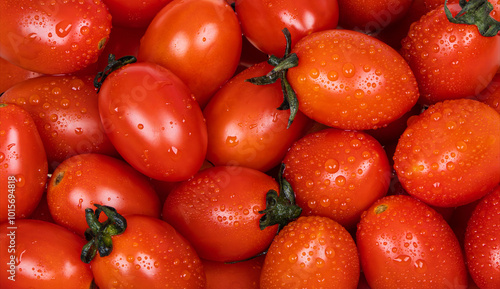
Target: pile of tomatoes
[(249, 144)]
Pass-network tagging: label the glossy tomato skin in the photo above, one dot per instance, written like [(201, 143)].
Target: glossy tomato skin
[(66, 115), (491, 94), (349, 80), (218, 212), (130, 13), (371, 15), (11, 74), (403, 243), (245, 128), (153, 121), (482, 241), (450, 154), (149, 254), (54, 37), (311, 252), (262, 21), (46, 256), (241, 275), (202, 49), (337, 174), (84, 180), (23, 164), (451, 60)]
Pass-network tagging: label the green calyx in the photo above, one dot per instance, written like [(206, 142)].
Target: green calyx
[(475, 12), (99, 235), (281, 66), (113, 64), (280, 208)]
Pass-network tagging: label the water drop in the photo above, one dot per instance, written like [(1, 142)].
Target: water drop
[(420, 266), (340, 181), (63, 28), (332, 166), (348, 70), (402, 259), (232, 141), (140, 126)]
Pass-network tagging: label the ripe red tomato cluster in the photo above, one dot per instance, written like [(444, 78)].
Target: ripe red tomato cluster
[(250, 144)]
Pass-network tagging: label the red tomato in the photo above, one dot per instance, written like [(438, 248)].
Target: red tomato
[(403, 243), (218, 212), (23, 164), (337, 174), (244, 126), (11, 74), (130, 13), (263, 20), (153, 121), (84, 180), (149, 254), (371, 15), (41, 255), (450, 154), (203, 49), (491, 94), (66, 115), (482, 242), (454, 61), (311, 252), (349, 80), (241, 275), (53, 37)]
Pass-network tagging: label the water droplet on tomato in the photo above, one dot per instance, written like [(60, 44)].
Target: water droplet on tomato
[(333, 75), (420, 266), (332, 166), (34, 99), (340, 181), (314, 73), (2, 157), (78, 130), (348, 70), (325, 202), (63, 28), (84, 30), (461, 146), (330, 252), (65, 103), (140, 126), (232, 141), (53, 117), (402, 259)]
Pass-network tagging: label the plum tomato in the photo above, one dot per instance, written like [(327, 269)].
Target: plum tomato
[(482, 241), (244, 125), (153, 121), (450, 154), (202, 49), (262, 21), (84, 180), (23, 163), (44, 256), (403, 243), (311, 252), (337, 174), (217, 211), (53, 37), (350, 80), (65, 111)]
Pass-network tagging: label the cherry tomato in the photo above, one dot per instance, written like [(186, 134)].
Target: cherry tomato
[(371, 15), (130, 13), (153, 121), (241, 275), (23, 164), (337, 174), (244, 125), (53, 37), (66, 115), (403, 243), (454, 61), (41, 255), (84, 180), (482, 243), (450, 154), (363, 84), (311, 252), (11, 74), (263, 20), (218, 212), (202, 49)]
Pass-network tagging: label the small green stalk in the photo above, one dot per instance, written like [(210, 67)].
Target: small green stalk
[(113, 64), (475, 12)]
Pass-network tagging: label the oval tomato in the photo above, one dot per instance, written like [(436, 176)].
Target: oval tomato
[(202, 49), (53, 37), (84, 180), (337, 174), (349, 80), (23, 163), (244, 126), (311, 252), (403, 243), (218, 212), (262, 21), (130, 13), (66, 114), (460, 163), (482, 244), (153, 121), (41, 255)]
